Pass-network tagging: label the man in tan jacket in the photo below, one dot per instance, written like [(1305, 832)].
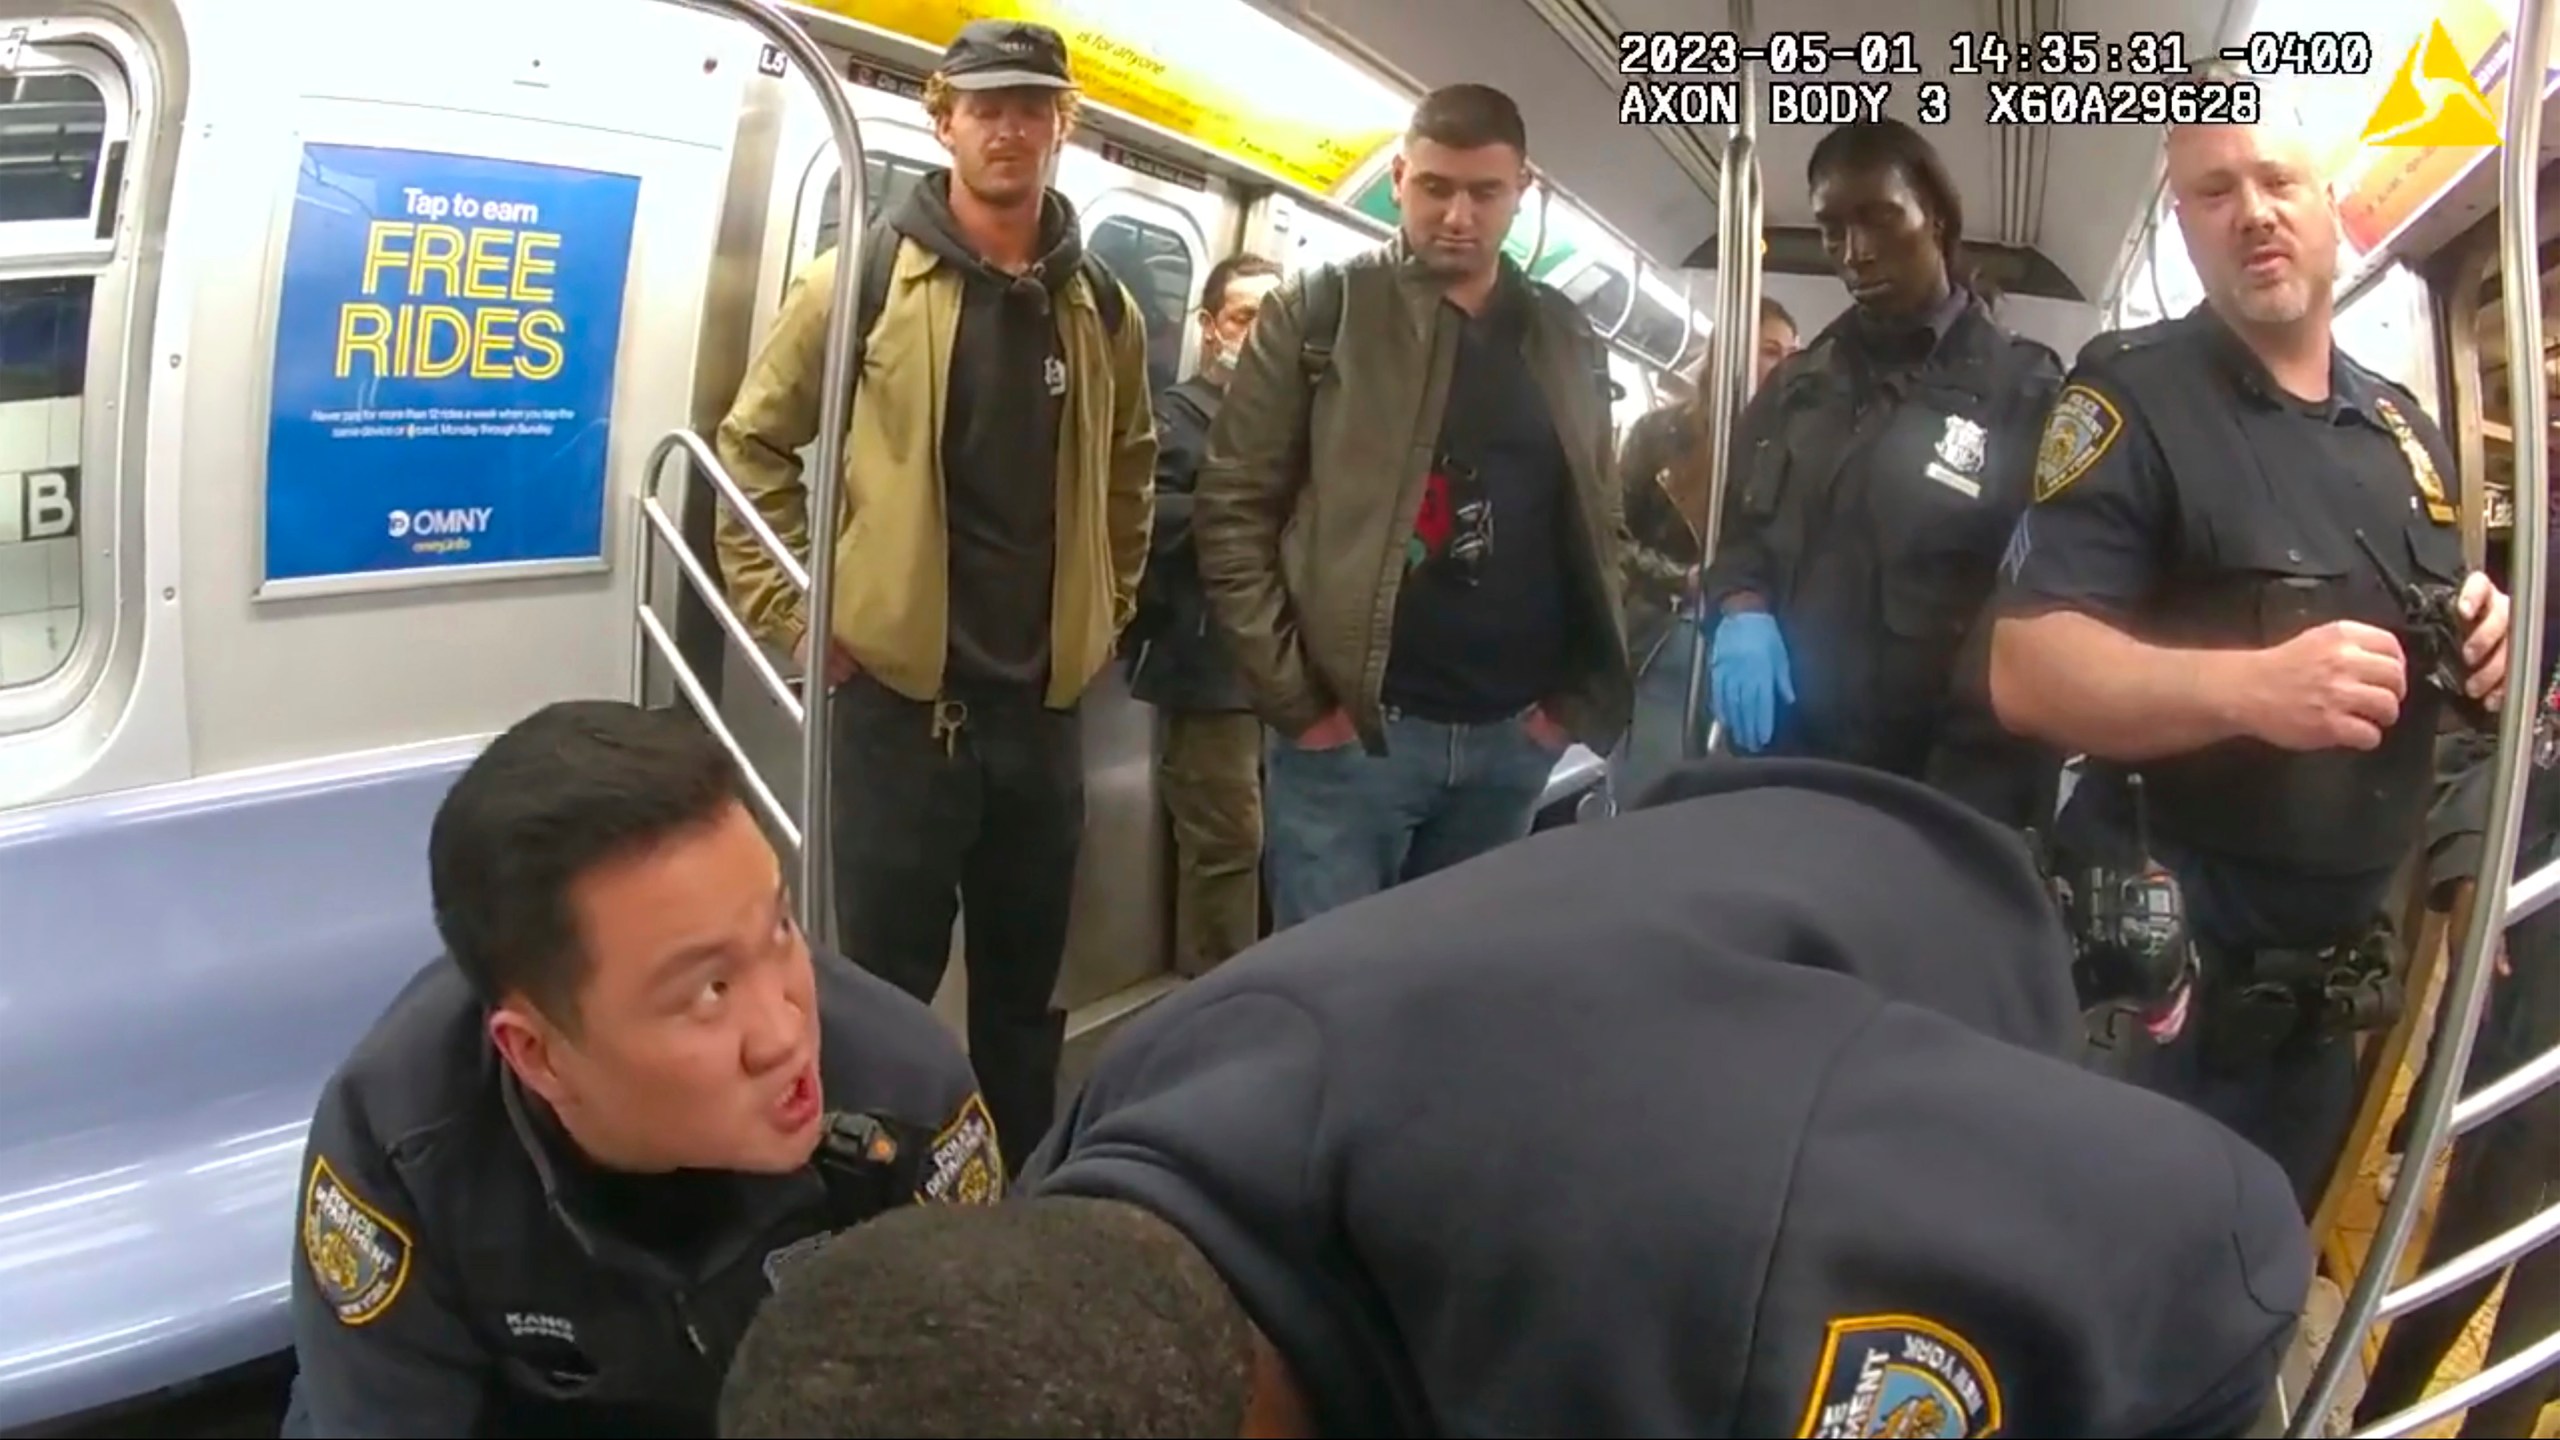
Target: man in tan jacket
[(997, 501)]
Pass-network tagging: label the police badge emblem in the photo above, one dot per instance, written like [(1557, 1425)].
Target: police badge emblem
[(965, 1168), (359, 1258), (1961, 446), (1899, 1375), (2422, 466), (2076, 436)]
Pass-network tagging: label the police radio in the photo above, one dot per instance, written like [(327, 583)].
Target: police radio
[(2129, 939), (2432, 615)]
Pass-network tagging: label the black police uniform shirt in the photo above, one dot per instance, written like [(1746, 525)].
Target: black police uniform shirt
[(1660, 1128), (1876, 478), (460, 1270), (2184, 497)]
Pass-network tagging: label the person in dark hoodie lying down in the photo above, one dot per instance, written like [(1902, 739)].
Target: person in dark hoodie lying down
[(1657, 1127)]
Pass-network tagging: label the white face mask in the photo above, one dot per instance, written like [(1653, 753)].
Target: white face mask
[(1216, 364)]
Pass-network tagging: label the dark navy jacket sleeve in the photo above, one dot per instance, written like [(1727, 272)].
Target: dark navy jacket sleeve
[(382, 1348), (2005, 1252), (2096, 534), (1742, 564), (1181, 440), (886, 1052)]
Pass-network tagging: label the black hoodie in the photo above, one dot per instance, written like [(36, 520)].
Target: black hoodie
[(1750, 1114), (1008, 388)]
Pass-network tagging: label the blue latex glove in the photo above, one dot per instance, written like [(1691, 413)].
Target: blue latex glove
[(1750, 677)]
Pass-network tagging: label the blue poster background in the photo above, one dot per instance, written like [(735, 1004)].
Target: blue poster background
[(445, 346)]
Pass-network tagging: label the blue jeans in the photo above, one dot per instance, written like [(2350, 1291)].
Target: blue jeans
[(1341, 824), (1652, 747)]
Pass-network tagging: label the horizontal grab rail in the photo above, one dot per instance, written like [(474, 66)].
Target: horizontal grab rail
[(736, 626), (655, 630), (726, 486)]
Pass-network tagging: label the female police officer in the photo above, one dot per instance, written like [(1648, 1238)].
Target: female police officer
[(1874, 483)]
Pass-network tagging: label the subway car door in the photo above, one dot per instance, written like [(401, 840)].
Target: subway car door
[(1153, 233)]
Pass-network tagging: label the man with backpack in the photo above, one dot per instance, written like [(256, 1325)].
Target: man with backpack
[(997, 473), (1409, 528), (1209, 759)]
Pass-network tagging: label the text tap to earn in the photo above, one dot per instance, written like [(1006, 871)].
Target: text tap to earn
[(459, 287), (1809, 77)]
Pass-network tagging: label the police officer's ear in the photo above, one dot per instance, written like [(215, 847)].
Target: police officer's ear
[(529, 1044)]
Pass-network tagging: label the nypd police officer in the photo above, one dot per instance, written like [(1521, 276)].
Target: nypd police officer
[(1874, 480), (2211, 593), (1821, 1164), (548, 1190)]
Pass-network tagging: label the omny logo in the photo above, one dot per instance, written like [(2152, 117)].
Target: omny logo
[(40, 505), (435, 532)]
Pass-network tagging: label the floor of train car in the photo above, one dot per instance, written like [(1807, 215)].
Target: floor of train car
[(2360, 1216)]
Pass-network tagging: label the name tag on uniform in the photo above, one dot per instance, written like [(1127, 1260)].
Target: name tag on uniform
[(1960, 452)]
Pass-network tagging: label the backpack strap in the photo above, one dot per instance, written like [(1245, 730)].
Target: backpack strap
[(1323, 326), (1108, 297), (880, 246)]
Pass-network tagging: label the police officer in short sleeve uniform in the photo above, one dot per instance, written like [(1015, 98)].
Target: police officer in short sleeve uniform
[(2185, 498)]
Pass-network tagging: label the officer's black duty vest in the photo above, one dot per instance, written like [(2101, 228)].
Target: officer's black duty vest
[(1882, 506), (2254, 560)]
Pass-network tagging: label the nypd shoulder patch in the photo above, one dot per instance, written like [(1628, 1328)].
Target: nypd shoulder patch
[(965, 1166), (359, 1258), (1899, 1375), (2082, 428)]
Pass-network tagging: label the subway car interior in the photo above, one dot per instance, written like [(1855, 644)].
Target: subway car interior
[(230, 698)]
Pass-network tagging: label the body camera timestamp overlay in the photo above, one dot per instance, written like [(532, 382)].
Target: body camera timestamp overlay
[(1694, 77)]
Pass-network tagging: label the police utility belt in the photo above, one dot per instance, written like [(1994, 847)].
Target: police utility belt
[(2259, 1001)]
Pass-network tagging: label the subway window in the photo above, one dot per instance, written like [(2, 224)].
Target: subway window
[(44, 356), (1155, 265), (1602, 293), (64, 128), (886, 179), (53, 147)]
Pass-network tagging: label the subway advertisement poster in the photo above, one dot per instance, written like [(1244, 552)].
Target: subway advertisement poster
[(445, 352)]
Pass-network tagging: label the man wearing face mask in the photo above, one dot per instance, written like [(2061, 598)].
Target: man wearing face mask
[(2208, 595), (1873, 481), (1209, 756), (996, 474), (545, 1194), (1423, 624)]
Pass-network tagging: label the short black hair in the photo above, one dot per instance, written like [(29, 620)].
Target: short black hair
[(1242, 265), (1771, 312), (1469, 117), (567, 788), (1890, 144), (1056, 1316)]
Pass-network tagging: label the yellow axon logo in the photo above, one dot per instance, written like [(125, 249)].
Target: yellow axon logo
[(2432, 102)]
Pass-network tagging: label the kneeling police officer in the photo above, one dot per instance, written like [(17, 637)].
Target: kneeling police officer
[(549, 1189), (2240, 591), (1797, 1158)]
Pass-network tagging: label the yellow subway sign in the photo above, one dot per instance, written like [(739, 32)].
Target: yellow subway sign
[(1125, 77)]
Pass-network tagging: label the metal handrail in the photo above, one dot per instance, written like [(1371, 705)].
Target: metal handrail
[(698, 575), (806, 828), (2433, 1110), (1728, 383)]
